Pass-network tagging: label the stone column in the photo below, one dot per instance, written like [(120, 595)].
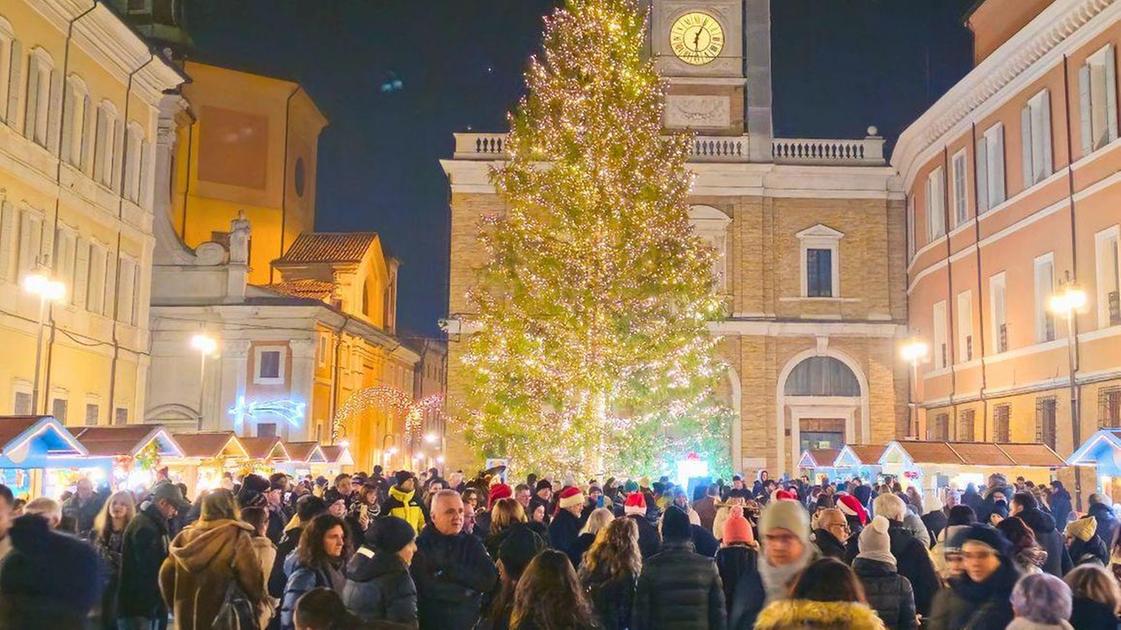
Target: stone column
[(227, 384), (303, 381), (757, 57)]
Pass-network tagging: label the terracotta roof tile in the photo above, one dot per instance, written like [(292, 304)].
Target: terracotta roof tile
[(12, 426), (931, 452), (981, 454), (302, 451), (305, 288), (328, 247), (204, 445), (867, 453), (112, 441), (824, 457), (1033, 455), (260, 447)]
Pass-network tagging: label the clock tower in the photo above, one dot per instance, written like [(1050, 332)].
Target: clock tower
[(716, 55)]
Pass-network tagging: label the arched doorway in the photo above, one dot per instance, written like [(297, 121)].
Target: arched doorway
[(822, 403)]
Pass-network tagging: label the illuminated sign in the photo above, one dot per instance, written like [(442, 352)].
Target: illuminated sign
[(290, 411)]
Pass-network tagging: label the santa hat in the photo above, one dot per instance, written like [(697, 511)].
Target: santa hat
[(635, 504), (570, 496), (499, 491), (851, 506), (786, 495)]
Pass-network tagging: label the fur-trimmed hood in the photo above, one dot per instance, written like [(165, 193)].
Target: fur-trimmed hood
[(804, 614)]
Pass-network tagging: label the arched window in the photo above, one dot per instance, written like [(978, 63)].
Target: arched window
[(822, 376)]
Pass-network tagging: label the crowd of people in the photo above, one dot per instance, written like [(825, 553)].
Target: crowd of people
[(424, 551)]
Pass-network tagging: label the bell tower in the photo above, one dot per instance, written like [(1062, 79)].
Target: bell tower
[(162, 22), (716, 55)]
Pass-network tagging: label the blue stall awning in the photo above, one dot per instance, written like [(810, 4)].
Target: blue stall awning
[(36, 442), (1102, 450)]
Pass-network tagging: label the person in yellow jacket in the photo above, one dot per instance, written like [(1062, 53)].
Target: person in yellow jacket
[(402, 501)]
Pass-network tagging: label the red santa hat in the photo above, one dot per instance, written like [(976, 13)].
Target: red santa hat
[(570, 496), (499, 491), (786, 495), (635, 504), (851, 506)]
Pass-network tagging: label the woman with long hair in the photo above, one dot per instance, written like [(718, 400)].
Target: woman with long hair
[(504, 515), (1026, 552), (1095, 597), (205, 558), (826, 595), (108, 537), (549, 596), (609, 573), (318, 562), (597, 520)]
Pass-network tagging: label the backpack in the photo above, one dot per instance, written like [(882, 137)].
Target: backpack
[(236, 611)]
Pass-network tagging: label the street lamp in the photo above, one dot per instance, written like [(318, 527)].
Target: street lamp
[(430, 438), (1066, 302), (206, 346), (914, 352), (48, 291)]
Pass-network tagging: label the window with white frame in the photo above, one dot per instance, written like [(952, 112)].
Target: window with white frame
[(965, 326), (960, 188), (65, 243), (1035, 132), (95, 288), (9, 71), (93, 413), (104, 145), (935, 205), (60, 408), (711, 225), (81, 273), (990, 168), (998, 304), (820, 262), (75, 136), (1108, 267), (36, 122), (30, 241), (268, 362), (134, 155), (126, 290), (1097, 99), (941, 347), (9, 237), (323, 349), (1044, 287)]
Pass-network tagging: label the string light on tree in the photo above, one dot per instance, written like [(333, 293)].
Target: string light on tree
[(592, 347)]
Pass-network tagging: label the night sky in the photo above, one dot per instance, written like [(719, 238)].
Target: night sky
[(397, 77)]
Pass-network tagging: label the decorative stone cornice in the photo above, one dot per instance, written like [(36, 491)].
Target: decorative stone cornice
[(1049, 34)]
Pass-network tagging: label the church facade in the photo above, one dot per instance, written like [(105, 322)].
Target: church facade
[(810, 234)]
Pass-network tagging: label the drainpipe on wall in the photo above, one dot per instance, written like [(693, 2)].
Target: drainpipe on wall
[(1075, 389), (284, 178), (980, 288), (951, 299)]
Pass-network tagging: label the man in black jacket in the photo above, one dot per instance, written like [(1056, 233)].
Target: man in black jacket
[(83, 506), (911, 556), (564, 531), (143, 551), (832, 533), (678, 588), (1102, 513), (1047, 535), (308, 507), (451, 568)]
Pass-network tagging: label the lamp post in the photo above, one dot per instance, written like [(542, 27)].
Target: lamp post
[(206, 346), (1067, 302), (48, 291), (914, 352)]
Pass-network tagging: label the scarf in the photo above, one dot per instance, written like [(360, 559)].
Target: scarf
[(777, 580)]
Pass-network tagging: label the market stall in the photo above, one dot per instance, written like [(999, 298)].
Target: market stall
[(817, 463), (301, 457), (29, 445), (337, 459), (206, 458), (1102, 452), (859, 460), (265, 454), (931, 466), (134, 451)]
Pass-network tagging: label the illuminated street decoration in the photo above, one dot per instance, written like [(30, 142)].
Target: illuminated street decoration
[(385, 397), (290, 411)]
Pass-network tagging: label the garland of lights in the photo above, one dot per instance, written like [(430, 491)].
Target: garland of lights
[(385, 397)]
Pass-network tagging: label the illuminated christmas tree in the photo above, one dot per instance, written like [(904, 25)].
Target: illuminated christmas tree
[(590, 350)]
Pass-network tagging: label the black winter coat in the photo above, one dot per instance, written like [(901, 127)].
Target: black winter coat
[(704, 542), (83, 513), (649, 540), (1050, 539), (612, 600), (1061, 508), (889, 593), (828, 545), (912, 560), (967, 605), (1087, 614), (278, 579), (732, 562), (451, 574), (494, 541), (679, 590), (143, 552), (1107, 522), (564, 532), (1089, 551), (379, 588)]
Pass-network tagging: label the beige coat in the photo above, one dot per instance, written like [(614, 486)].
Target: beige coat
[(202, 560), (266, 556)]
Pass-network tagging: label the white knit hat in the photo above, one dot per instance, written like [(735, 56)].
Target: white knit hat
[(875, 544)]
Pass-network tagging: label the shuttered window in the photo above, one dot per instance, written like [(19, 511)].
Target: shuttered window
[(1097, 99), (1045, 427), (1002, 415), (1035, 130), (965, 432)]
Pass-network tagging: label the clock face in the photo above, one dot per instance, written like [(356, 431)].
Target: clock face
[(696, 38)]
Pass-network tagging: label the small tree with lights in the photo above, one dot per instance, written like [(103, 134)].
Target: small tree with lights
[(590, 349)]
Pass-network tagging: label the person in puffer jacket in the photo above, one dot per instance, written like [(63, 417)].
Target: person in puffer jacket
[(402, 502), (678, 588), (378, 584), (888, 593)]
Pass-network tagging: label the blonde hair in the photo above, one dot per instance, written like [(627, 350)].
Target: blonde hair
[(506, 512), (103, 523), (46, 507), (1095, 583), (597, 520), (614, 552)]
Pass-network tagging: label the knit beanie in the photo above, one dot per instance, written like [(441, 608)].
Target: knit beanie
[(1083, 529), (630, 486), (390, 534), (543, 485), (986, 535), (851, 506), (499, 491), (675, 525), (401, 476), (518, 549), (875, 544), (737, 529), (635, 504), (570, 496), (788, 515)]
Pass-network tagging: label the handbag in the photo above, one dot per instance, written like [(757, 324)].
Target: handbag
[(236, 611)]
